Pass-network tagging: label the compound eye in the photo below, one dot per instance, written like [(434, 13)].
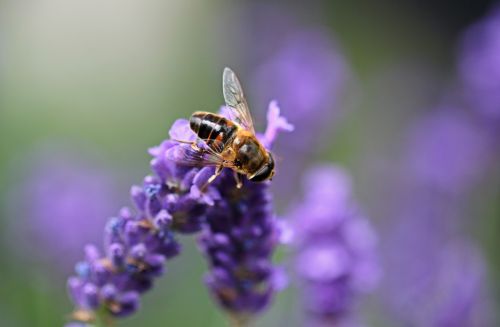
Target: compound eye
[(262, 174), (248, 149), (266, 172)]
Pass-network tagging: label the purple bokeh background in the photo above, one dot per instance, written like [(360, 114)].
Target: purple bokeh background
[(60, 204)]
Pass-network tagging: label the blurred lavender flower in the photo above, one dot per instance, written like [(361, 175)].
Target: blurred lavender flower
[(62, 193), (240, 238), (447, 152), (308, 75), (479, 65), (433, 268), (335, 246)]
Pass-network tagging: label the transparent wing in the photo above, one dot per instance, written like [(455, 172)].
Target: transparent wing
[(235, 100), (214, 146), (185, 154), (189, 155)]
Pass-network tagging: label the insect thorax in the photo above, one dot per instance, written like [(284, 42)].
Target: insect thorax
[(250, 154)]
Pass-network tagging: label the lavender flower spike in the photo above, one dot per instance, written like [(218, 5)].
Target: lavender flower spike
[(335, 247), (137, 244), (240, 238), (109, 285)]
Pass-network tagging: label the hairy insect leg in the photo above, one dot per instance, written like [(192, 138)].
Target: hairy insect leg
[(218, 170), (193, 144), (183, 141), (237, 178)]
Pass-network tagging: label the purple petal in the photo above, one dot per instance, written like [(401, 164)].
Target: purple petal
[(275, 124), (181, 131)]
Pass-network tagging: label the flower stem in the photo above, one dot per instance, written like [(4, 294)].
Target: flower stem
[(239, 320)]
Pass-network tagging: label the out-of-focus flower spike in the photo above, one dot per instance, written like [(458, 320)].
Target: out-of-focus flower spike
[(335, 248), (70, 192), (479, 66), (307, 72)]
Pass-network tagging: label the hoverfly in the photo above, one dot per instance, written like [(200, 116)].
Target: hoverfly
[(228, 142)]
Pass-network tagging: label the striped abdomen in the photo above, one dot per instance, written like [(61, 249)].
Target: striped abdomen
[(214, 129)]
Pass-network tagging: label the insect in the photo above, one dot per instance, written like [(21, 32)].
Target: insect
[(229, 142)]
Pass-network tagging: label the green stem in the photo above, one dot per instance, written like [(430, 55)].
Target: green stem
[(239, 320), (103, 319)]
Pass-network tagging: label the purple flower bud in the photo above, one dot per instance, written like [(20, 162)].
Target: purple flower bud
[(181, 131), (117, 254), (109, 292), (126, 305), (126, 213), (168, 247), (163, 220), (90, 294), (132, 232), (138, 197), (100, 273), (221, 240), (91, 252), (77, 324), (74, 286), (82, 269), (138, 252), (156, 265), (114, 226)]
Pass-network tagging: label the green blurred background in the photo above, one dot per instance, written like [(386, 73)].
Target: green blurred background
[(112, 75)]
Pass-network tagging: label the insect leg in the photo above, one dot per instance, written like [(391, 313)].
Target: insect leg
[(238, 180), (182, 141), (193, 144), (218, 170)]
